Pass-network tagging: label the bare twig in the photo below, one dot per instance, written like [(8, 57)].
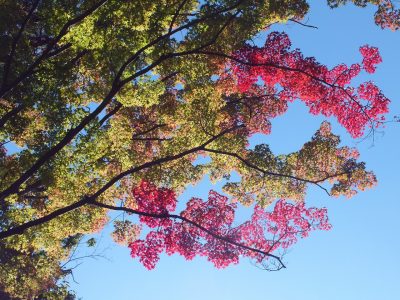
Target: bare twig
[(303, 24)]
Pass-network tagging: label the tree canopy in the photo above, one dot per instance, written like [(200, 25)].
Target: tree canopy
[(109, 105)]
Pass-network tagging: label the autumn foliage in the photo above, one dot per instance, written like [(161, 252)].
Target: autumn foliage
[(285, 75), (108, 105), (207, 229), (288, 75)]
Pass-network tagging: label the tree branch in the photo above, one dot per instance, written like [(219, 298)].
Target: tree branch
[(10, 115), (9, 60), (178, 54), (148, 130), (58, 50), (90, 198), (45, 54), (168, 34), (14, 187), (110, 114), (159, 161), (186, 220), (286, 68), (152, 139), (20, 229), (116, 86), (181, 5), (303, 24), (266, 172)]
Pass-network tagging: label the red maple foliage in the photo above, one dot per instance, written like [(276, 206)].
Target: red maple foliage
[(206, 228), (286, 74)]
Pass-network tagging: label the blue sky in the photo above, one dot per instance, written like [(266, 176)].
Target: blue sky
[(357, 259)]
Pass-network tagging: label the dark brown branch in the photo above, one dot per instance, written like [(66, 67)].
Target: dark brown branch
[(59, 50), (116, 86), (286, 68), (45, 54), (266, 172), (9, 60), (303, 24), (162, 160), (186, 220), (35, 187), (265, 64), (148, 130), (164, 57), (88, 199), (110, 114), (169, 76), (332, 176), (164, 36), (21, 228), (78, 56), (152, 139), (14, 187), (181, 5), (10, 115)]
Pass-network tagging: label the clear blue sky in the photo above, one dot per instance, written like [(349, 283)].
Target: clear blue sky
[(357, 260)]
